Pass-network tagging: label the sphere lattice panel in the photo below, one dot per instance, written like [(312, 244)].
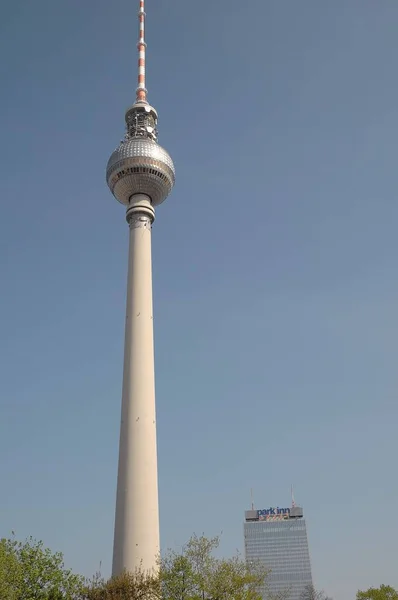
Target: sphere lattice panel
[(140, 166)]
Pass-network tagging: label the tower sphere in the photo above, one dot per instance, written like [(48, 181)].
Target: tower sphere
[(140, 166)]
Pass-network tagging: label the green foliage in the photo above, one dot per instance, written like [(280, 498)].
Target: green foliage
[(196, 574), (384, 592), (177, 577), (8, 571), (127, 586), (29, 571)]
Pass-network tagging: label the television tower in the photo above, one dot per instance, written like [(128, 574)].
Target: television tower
[(140, 174)]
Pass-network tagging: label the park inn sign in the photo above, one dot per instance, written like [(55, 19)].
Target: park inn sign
[(274, 512)]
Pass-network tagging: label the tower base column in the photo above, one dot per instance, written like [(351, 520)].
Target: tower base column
[(136, 541)]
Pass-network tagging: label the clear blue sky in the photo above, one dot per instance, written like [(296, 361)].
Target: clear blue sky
[(275, 274)]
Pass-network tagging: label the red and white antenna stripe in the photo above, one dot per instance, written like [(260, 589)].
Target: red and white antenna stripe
[(141, 89)]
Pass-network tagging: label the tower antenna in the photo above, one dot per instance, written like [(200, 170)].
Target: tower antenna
[(141, 91), (293, 501), (251, 496)]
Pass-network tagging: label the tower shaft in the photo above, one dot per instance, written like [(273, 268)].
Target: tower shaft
[(136, 541)]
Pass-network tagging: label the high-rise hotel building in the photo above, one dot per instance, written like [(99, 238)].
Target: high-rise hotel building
[(277, 538)]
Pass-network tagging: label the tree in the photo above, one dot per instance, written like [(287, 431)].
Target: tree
[(127, 586), (8, 571), (177, 577), (196, 574), (384, 592), (310, 593), (29, 571)]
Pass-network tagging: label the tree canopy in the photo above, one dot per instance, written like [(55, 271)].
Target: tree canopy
[(384, 592), (29, 571), (196, 574), (127, 586)]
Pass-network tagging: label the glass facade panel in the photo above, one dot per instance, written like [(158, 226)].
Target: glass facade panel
[(281, 546)]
